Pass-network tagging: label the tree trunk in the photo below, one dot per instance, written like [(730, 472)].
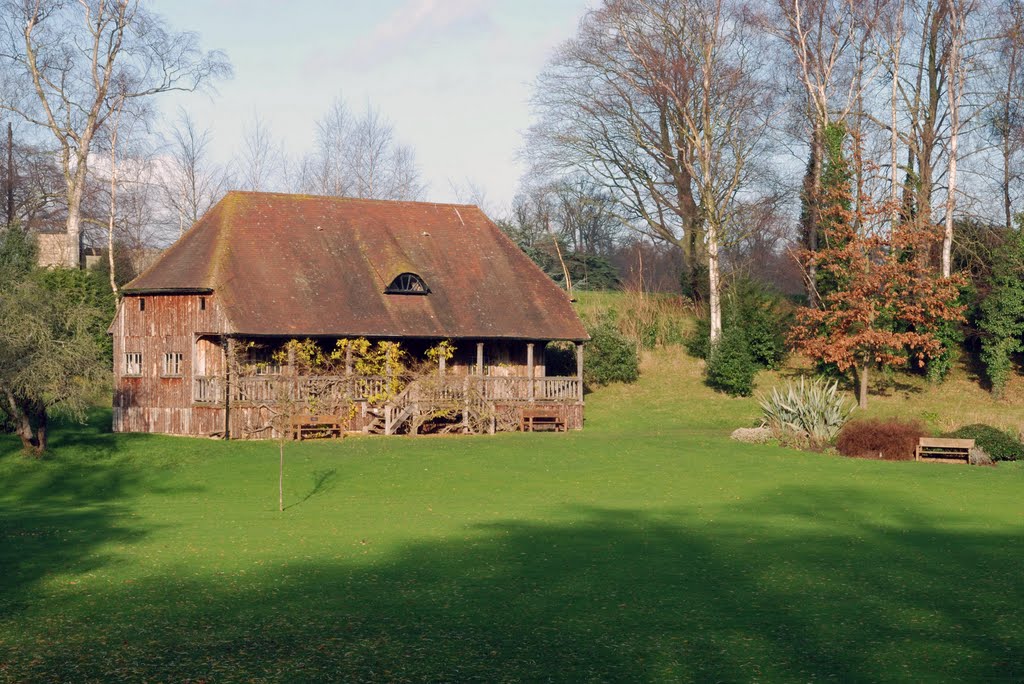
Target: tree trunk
[(41, 434), (1006, 142), (23, 428), (812, 220), (693, 266), (953, 88), (280, 475), (862, 377), (33, 440), (74, 226), (894, 139), (75, 180), (113, 201), (714, 285)]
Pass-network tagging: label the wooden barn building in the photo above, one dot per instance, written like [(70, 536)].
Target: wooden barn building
[(261, 269)]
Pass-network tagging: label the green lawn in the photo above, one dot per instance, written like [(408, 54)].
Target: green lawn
[(647, 548)]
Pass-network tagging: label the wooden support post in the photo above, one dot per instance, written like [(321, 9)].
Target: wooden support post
[(349, 393), (579, 370), (480, 369), (229, 361), (193, 367), (530, 371), (465, 404), (441, 365)]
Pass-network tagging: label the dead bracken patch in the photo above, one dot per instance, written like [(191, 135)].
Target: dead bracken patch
[(889, 440)]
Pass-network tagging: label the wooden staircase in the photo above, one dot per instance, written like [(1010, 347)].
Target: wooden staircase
[(391, 418)]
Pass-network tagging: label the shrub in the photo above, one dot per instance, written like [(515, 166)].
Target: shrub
[(731, 367), (951, 335), (1000, 445), (1002, 313), (764, 317), (808, 413), (698, 343), (890, 440), (609, 357)]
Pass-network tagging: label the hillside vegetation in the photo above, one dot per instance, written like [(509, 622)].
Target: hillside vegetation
[(961, 399)]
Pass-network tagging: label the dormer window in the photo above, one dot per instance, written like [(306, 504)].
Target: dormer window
[(407, 283)]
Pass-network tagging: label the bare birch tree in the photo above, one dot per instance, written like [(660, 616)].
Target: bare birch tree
[(1005, 121), (262, 160), (825, 41), (603, 113), (360, 157), (192, 181), (72, 64), (956, 76), (658, 101)]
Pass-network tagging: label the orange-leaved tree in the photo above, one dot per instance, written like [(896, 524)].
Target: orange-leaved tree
[(884, 300)]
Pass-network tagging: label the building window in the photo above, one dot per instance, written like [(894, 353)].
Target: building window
[(261, 361), (172, 363), (142, 303), (133, 363), (202, 303), (407, 283)]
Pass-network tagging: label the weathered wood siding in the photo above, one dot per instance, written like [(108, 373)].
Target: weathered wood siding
[(155, 400)]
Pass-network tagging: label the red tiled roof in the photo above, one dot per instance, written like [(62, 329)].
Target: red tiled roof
[(302, 265)]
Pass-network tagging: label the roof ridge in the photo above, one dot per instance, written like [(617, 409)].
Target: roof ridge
[(337, 198)]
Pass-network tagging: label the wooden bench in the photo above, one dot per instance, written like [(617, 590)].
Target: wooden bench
[(316, 425), (546, 418), (942, 449)]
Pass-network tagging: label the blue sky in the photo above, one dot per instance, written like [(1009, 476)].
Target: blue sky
[(454, 76)]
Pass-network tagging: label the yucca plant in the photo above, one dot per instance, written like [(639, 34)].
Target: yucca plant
[(808, 413)]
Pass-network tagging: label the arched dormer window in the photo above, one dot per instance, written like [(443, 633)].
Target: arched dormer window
[(407, 283)]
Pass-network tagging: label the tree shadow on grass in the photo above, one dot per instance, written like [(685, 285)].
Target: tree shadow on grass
[(323, 481), (62, 514), (798, 585), (975, 370)]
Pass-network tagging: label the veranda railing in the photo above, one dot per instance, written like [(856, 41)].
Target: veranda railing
[(375, 389)]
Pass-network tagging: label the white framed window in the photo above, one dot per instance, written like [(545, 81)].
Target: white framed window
[(133, 363), (172, 363)]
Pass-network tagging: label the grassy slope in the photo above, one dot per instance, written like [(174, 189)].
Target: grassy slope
[(648, 547)]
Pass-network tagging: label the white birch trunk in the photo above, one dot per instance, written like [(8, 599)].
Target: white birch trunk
[(894, 122), (714, 284), (956, 21), (113, 201), (73, 256)]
